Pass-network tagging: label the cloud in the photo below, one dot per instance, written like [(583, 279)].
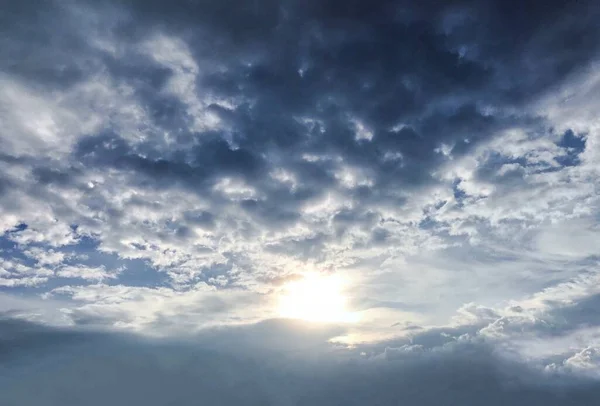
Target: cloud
[(97, 368), (167, 169), (97, 274)]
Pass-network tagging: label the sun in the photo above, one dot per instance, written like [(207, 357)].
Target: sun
[(315, 298)]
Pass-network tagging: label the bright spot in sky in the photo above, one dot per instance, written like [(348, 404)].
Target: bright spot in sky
[(317, 298)]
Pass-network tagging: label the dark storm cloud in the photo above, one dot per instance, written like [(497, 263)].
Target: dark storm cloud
[(382, 64), (416, 76), (105, 369), (39, 44), (213, 157)]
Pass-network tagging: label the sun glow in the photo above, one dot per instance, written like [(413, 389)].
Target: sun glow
[(316, 298)]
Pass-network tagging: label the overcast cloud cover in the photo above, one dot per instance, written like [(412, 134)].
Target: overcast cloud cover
[(167, 167)]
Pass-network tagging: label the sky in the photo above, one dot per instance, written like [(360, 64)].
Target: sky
[(285, 202)]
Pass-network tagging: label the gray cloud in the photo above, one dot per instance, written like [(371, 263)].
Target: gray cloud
[(65, 366)]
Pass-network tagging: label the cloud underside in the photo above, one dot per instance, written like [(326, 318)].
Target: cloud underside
[(97, 369), (168, 168)]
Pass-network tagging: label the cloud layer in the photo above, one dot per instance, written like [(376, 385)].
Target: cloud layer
[(54, 367), (169, 168)]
